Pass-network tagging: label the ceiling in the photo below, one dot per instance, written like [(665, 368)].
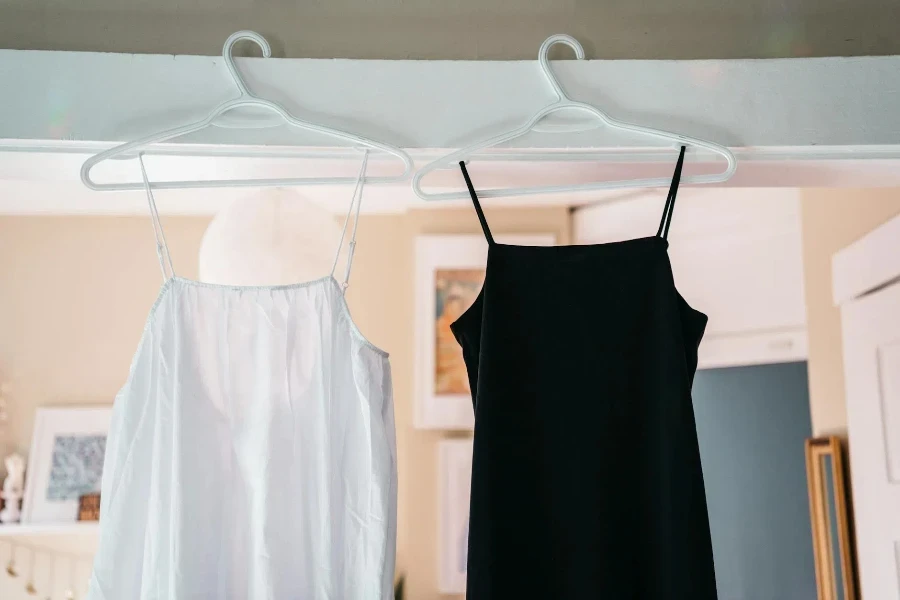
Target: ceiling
[(461, 29)]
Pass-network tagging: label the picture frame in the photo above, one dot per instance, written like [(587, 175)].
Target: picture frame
[(830, 515), (65, 462), (449, 272), (454, 490)]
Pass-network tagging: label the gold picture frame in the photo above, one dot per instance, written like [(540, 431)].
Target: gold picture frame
[(830, 516), (449, 271)]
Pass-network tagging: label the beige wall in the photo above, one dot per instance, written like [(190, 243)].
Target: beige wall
[(461, 29), (76, 291), (832, 219)]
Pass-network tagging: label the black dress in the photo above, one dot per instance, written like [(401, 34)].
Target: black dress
[(586, 478)]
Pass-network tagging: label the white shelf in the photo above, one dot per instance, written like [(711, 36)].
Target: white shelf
[(49, 529)]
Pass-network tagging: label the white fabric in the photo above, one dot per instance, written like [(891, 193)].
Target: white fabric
[(251, 454)]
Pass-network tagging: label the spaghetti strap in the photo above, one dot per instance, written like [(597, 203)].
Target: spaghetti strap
[(666, 220), (484, 225), (357, 202), (162, 248)]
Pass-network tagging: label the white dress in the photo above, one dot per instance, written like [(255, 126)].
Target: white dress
[(252, 452)]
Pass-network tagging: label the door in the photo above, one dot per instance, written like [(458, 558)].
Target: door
[(871, 325)]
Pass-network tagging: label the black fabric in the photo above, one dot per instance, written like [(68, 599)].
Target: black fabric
[(478, 211), (586, 477), (666, 220)]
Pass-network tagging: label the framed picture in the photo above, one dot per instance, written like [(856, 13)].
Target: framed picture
[(830, 514), (449, 273), (455, 468), (65, 463)]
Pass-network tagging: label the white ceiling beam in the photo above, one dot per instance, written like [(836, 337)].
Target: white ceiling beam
[(777, 103), (826, 122)]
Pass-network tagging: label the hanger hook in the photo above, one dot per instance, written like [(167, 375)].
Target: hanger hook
[(559, 38), (227, 50)]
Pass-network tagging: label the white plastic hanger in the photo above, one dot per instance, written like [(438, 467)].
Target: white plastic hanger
[(246, 98), (563, 102)]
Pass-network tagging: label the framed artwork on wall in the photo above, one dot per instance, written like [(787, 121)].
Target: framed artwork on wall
[(449, 272), (455, 469), (829, 510), (65, 462)]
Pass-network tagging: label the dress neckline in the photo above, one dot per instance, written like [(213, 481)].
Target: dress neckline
[(618, 244), (251, 288)]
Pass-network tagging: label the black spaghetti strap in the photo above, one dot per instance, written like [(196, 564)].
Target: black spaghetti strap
[(484, 225), (663, 230)]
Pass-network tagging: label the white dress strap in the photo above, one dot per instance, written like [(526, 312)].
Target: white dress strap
[(357, 202), (162, 249)]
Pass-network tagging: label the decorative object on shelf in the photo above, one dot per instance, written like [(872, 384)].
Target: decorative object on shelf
[(13, 487), (51, 578), (11, 563), (89, 507), (66, 462), (29, 587), (455, 469), (70, 591), (42, 565), (448, 276), (272, 237), (830, 515)]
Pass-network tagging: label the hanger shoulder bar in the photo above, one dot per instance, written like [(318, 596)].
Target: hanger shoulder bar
[(563, 102), (245, 99)]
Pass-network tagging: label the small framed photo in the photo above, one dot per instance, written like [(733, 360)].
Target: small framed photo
[(89, 507), (455, 468), (449, 273), (65, 463)]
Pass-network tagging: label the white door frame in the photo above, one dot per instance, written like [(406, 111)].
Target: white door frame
[(865, 284), (868, 264)]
